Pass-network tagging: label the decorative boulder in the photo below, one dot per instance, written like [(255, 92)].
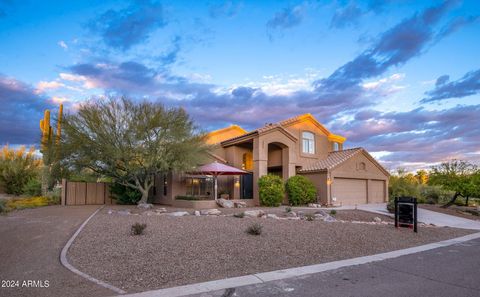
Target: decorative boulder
[(197, 213), (161, 210), (145, 206), (320, 213), (225, 203), (329, 219), (124, 212), (377, 219), (272, 216), (314, 205), (240, 204), (254, 213), (178, 214), (212, 212)]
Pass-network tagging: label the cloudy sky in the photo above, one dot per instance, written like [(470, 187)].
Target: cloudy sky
[(400, 78)]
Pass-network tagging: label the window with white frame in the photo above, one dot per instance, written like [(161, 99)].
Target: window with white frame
[(335, 146), (308, 143)]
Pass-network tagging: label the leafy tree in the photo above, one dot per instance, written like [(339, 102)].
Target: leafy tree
[(402, 183), (422, 176), (300, 190), (17, 168), (457, 176), (131, 142)]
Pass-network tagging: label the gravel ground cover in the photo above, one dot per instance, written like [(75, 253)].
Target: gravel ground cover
[(452, 210), (182, 250)]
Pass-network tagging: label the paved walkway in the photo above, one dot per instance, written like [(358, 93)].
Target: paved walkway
[(30, 245), (443, 272), (427, 217)]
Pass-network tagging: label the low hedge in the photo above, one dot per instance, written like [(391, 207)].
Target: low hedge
[(300, 190), (271, 190)]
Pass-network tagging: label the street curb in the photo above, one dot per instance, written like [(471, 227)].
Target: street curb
[(64, 261), (259, 278)]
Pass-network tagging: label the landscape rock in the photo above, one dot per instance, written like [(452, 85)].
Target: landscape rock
[(272, 216), (161, 210), (124, 212), (110, 211), (329, 219), (321, 213), (225, 203), (145, 206), (314, 205), (240, 204), (294, 218), (211, 212), (196, 213), (149, 213), (178, 214), (377, 219), (292, 214), (254, 213)]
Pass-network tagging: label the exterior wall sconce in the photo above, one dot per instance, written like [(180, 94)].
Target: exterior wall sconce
[(329, 181), (237, 182)]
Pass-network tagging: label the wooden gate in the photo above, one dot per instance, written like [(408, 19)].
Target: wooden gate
[(81, 193)]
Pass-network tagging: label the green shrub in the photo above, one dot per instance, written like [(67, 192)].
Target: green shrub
[(333, 212), (254, 229), (300, 190), (17, 167), (271, 190), (124, 194), (54, 196), (391, 206), (137, 229), (32, 188), (3, 206), (239, 215), (31, 202)]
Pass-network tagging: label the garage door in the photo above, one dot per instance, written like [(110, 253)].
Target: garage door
[(349, 191), (377, 191)]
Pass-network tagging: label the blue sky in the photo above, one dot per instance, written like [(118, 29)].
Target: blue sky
[(400, 78)]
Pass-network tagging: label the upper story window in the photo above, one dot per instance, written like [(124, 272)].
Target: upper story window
[(308, 143), (335, 146)]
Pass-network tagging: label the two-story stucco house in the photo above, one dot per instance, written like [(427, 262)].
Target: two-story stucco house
[(300, 145)]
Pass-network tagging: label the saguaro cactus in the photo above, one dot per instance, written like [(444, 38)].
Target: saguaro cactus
[(45, 128), (49, 146)]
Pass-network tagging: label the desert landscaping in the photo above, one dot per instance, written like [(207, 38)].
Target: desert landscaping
[(179, 247)]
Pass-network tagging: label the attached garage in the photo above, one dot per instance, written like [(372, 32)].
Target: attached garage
[(349, 191), (377, 191), (348, 177)]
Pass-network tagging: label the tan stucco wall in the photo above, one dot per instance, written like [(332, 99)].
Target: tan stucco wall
[(319, 179), (322, 145), (350, 169)]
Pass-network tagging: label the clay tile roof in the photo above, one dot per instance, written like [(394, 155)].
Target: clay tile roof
[(333, 159)]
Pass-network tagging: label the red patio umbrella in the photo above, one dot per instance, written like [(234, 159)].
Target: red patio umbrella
[(215, 169)]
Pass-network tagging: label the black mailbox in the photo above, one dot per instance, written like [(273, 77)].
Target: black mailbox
[(406, 212)]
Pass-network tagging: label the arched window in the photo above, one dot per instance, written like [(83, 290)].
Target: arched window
[(335, 146), (308, 143)]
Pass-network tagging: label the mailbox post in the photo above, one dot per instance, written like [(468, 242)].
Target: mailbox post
[(406, 212)]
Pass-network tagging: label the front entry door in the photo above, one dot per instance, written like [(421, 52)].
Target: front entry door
[(246, 186)]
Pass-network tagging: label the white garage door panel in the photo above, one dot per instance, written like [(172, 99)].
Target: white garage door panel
[(350, 191), (377, 192)]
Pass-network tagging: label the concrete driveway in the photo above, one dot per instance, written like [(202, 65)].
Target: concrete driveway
[(425, 216), (30, 245)]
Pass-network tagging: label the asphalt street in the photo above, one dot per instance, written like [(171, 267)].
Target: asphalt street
[(451, 271)]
